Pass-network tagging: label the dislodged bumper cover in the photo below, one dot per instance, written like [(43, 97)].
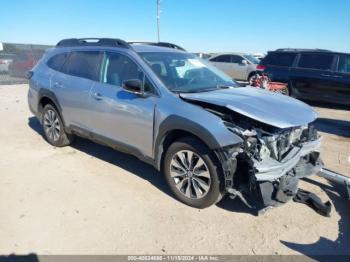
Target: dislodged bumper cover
[(271, 169)]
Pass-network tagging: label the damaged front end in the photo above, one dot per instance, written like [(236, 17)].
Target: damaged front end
[(265, 169)]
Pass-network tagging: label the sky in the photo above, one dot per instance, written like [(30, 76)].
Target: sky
[(197, 25)]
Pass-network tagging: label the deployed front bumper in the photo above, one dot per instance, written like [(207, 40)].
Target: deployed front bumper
[(271, 169)]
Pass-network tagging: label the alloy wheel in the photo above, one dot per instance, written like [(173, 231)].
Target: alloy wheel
[(52, 125), (190, 174)]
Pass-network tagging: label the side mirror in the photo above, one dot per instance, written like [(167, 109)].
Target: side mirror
[(244, 62), (133, 86)]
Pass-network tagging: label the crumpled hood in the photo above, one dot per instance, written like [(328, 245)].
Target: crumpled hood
[(270, 108)]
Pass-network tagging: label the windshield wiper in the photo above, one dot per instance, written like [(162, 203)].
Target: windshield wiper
[(202, 89)]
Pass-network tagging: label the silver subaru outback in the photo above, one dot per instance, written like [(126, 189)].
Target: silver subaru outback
[(175, 111)]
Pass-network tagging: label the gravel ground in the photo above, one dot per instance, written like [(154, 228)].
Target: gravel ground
[(89, 199)]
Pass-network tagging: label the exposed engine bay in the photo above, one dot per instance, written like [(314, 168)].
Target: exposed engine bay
[(265, 169)]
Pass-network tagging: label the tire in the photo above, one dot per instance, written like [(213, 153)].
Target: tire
[(200, 185), (250, 78), (53, 127)]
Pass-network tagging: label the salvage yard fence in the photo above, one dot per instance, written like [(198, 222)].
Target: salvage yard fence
[(17, 59)]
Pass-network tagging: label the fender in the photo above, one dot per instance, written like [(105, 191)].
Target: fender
[(173, 122), (49, 94)]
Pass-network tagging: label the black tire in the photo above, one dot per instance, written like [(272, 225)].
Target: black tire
[(215, 192), (54, 133), (250, 79)]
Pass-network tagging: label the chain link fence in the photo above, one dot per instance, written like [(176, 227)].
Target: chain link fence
[(17, 59)]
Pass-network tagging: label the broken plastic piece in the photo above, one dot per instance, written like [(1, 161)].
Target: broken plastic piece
[(314, 202)]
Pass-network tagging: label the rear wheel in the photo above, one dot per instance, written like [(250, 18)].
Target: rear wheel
[(192, 173), (54, 132)]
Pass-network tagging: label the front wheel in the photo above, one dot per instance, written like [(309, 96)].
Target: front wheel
[(192, 173)]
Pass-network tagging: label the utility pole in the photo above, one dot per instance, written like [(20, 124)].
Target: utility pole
[(158, 18)]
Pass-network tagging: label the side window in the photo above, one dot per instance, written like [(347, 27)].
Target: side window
[(236, 59), (344, 64), (56, 62), (222, 59), (316, 61), (83, 64), (279, 59), (119, 68)]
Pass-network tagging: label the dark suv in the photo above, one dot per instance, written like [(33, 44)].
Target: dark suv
[(311, 74)]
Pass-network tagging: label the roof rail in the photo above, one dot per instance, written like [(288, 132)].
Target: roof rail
[(162, 44), (93, 42), (301, 49)]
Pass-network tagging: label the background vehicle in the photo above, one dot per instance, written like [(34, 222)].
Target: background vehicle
[(24, 61), (179, 113), (259, 56), (5, 61), (239, 66), (320, 75)]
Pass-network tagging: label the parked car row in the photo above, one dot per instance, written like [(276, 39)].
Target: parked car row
[(320, 75), (312, 74), (18, 64)]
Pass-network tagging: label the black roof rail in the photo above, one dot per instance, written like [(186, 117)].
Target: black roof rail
[(162, 44), (301, 50), (111, 42)]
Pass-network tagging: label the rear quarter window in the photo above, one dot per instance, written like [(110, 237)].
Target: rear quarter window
[(279, 59), (316, 61), (56, 62), (83, 64)]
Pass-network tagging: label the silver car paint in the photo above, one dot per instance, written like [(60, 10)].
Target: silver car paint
[(264, 106), (140, 118)]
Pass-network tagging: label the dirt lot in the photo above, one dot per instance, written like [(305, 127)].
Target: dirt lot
[(89, 199)]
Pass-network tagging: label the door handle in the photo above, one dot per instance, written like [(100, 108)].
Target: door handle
[(97, 96), (57, 85), (338, 76), (326, 75)]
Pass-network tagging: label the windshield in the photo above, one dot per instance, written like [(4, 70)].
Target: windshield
[(252, 59), (186, 73)]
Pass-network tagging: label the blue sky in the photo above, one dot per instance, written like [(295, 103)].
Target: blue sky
[(197, 25)]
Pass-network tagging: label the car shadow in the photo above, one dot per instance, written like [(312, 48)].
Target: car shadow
[(19, 258), (134, 166), (340, 246), (107, 154), (137, 168), (333, 126)]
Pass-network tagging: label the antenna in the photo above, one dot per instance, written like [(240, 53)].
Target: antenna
[(158, 18)]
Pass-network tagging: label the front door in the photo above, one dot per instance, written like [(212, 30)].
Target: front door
[(120, 116)]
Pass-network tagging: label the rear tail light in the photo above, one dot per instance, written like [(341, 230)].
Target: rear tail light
[(2, 62), (261, 67)]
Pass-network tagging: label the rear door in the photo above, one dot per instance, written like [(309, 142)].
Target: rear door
[(72, 86), (312, 77)]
